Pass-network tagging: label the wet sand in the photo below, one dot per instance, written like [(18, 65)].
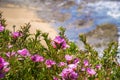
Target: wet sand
[(19, 16)]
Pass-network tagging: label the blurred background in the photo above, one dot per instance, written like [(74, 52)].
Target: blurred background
[(99, 20)]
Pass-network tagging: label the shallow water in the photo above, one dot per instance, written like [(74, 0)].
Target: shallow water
[(81, 16), (99, 12), (77, 16)]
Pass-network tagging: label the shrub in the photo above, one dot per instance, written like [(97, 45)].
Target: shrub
[(23, 57)]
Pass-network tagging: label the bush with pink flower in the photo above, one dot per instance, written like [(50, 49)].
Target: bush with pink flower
[(23, 57)]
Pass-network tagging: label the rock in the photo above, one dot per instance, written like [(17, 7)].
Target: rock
[(102, 35)]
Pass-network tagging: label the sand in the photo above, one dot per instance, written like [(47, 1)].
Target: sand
[(19, 16)]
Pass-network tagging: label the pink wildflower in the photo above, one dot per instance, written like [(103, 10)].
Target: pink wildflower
[(86, 63), (72, 66), (1, 28), (16, 34), (9, 46), (98, 66), (68, 74), (3, 67), (49, 63), (37, 58), (59, 42), (23, 52), (6, 69), (91, 71), (76, 61), (83, 69), (62, 64), (55, 78), (68, 57), (10, 54)]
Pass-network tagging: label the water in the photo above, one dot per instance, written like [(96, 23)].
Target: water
[(77, 16), (99, 12)]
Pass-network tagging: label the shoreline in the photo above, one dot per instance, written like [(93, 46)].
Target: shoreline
[(18, 16)]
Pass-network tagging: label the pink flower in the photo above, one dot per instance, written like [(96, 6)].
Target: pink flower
[(65, 73), (10, 46), (49, 63), (64, 45), (37, 58), (7, 69), (16, 34), (98, 66), (76, 61), (91, 71), (3, 63), (1, 28), (62, 64), (55, 78), (72, 66), (86, 63), (73, 75), (3, 67), (83, 69), (10, 54), (23, 52), (59, 42), (68, 57), (68, 74)]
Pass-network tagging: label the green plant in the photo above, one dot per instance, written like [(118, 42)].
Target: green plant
[(23, 57)]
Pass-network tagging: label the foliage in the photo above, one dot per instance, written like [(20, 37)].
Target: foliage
[(23, 57)]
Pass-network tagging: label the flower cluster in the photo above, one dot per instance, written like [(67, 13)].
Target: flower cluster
[(36, 57), (89, 70), (70, 73), (28, 59), (59, 42)]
